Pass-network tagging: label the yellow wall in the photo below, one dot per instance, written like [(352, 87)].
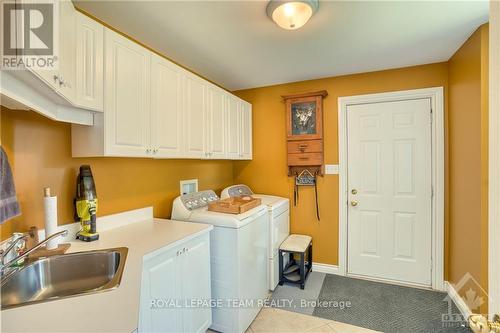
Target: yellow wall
[(468, 156), (267, 172), (39, 151)]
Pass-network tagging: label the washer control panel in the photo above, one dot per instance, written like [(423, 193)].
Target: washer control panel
[(198, 199), (239, 190)]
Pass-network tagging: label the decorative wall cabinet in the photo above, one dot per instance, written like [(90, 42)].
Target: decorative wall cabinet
[(304, 119), (180, 273)]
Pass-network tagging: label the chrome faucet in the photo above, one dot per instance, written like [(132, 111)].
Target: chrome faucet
[(5, 266), (4, 253)]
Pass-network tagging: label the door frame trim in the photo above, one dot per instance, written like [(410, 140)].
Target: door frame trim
[(494, 161), (436, 95)]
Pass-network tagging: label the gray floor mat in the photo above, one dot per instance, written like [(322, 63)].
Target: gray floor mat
[(291, 297), (386, 308)]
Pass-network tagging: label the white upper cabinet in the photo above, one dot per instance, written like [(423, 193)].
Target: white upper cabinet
[(63, 79), (166, 108), (238, 129), (233, 128), (127, 90), (246, 130), (151, 107), (67, 50), (216, 115), (89, 63), (195, 117)]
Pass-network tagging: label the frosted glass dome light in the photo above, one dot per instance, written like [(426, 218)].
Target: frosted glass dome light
[(291, 15)]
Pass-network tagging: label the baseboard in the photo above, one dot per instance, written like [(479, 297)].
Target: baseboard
[(325, 268), (459, 302)]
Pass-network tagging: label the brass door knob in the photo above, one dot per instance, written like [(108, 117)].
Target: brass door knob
[(354, 191), (354, 203)]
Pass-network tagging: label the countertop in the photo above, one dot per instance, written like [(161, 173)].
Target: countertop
[(109, 311)]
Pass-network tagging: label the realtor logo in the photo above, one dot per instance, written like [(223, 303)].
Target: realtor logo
[(29, 35), (469, 297)]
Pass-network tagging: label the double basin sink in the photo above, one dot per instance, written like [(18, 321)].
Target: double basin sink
[(62, 276)]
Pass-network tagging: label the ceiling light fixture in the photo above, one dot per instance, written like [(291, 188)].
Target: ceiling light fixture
[(291, 15)]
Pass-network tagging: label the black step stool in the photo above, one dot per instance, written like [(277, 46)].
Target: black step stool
[(299, 245)]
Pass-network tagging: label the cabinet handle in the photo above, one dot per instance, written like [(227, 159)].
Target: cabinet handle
[(304, 145), (303, 158), (55, 77), (148, 150)]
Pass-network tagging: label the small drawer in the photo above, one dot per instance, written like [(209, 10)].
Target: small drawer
[(309, 146), (305, 159)]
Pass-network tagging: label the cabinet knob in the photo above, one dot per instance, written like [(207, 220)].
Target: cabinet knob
[(55, 77), (148, 150)]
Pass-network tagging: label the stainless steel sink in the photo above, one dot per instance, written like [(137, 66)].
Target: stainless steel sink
[(62, 276)]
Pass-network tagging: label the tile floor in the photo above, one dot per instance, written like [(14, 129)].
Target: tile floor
[(271, 320)]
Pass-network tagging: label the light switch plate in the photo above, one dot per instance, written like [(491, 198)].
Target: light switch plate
[(331, 169)]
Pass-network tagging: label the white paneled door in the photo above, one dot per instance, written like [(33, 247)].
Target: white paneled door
[(390, 191)]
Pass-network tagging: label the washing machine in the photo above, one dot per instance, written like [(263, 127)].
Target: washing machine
[(238, 259), (278, 225)]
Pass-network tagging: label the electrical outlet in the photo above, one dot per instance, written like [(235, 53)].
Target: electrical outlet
[(331, 169)]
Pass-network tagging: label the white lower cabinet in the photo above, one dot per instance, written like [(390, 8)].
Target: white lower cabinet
[(173, 280)]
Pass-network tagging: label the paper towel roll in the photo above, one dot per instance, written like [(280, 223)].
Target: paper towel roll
[(50, 215)]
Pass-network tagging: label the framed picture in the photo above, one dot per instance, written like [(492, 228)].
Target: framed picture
[(304, 118)]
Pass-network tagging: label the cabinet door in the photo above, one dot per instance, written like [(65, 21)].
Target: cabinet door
[(166, 108), (216, 122), (89, 63), (246, 130), (195, 117), (127, 103), (160, 283), (232, 128), (67, 50), (195, 268)]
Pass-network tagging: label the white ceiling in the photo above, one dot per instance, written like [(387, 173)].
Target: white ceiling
[(234, 44)]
